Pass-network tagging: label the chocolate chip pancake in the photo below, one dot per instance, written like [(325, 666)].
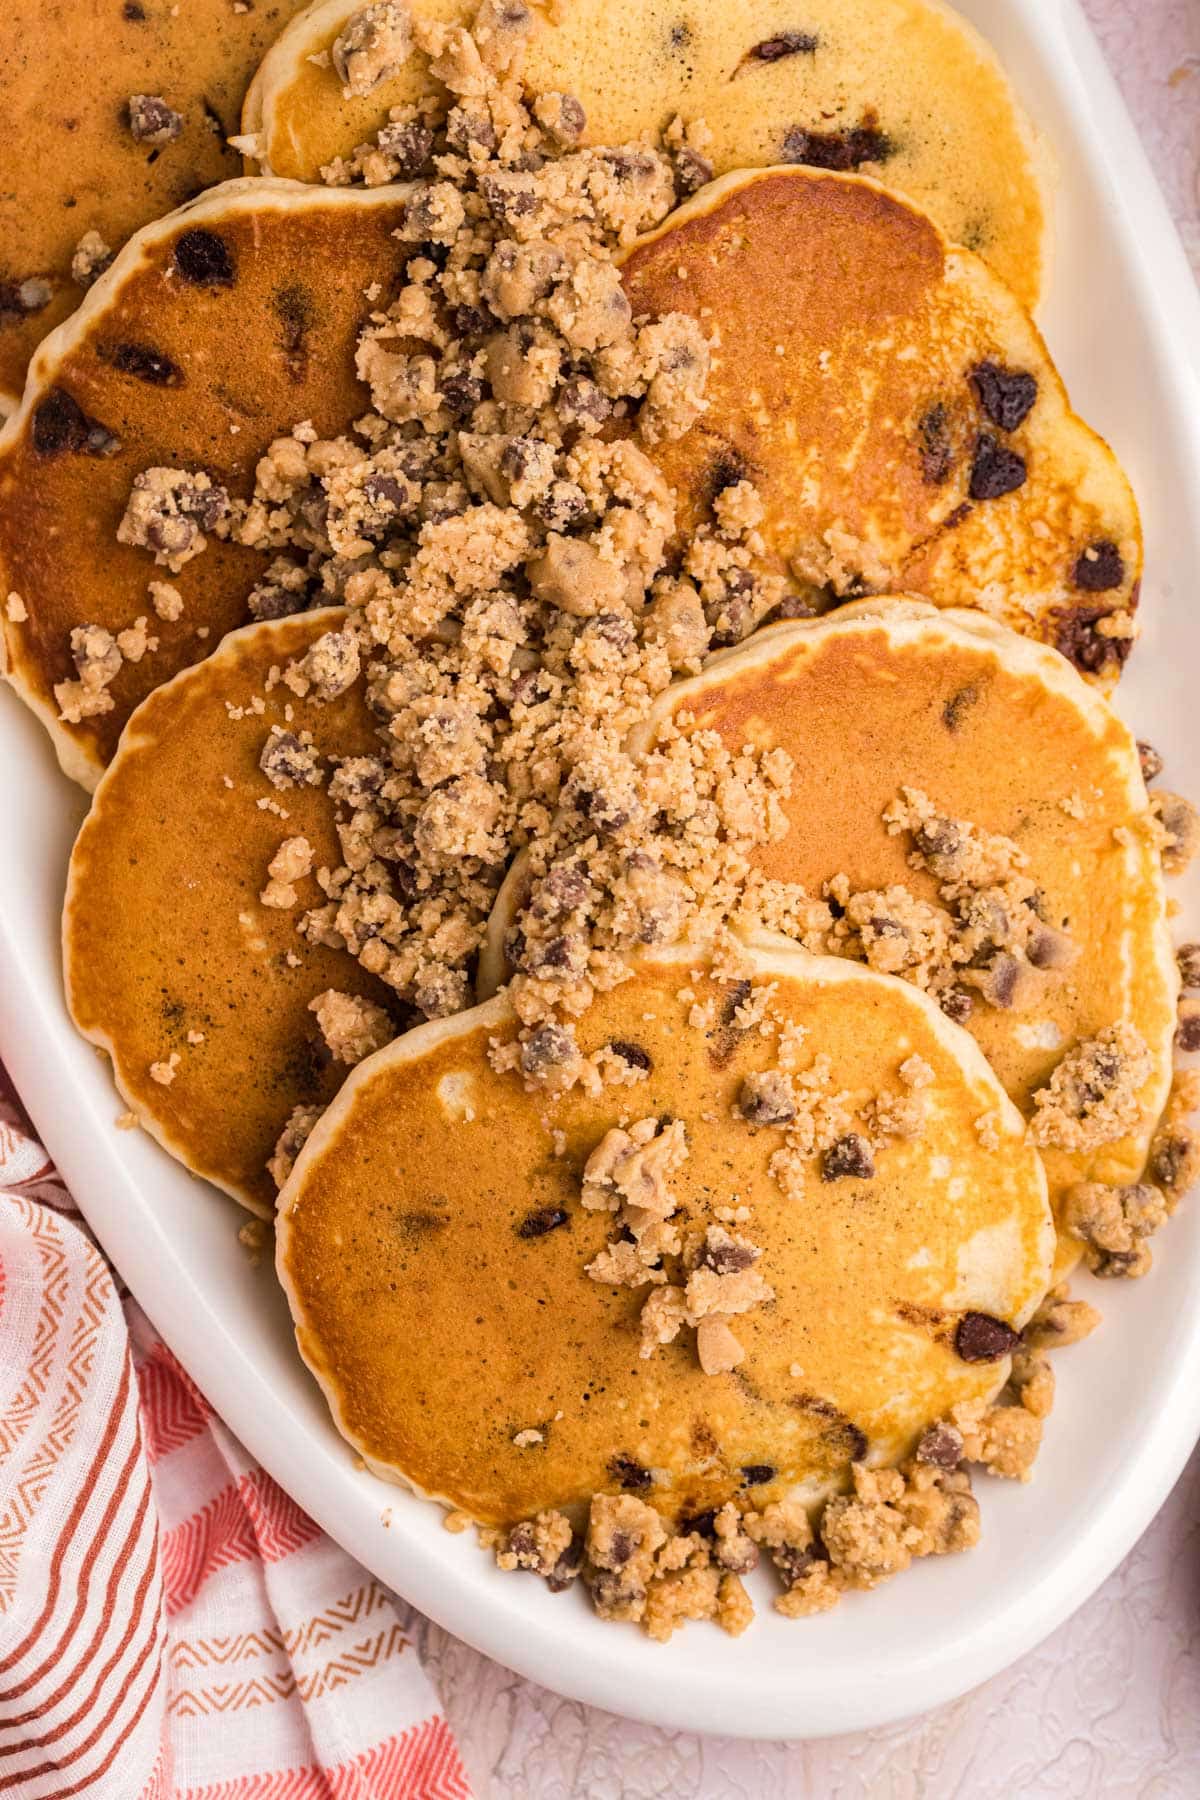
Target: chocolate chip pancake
[(1049, 936), (215, 330), (896, 410), (434, 1241), (83, 166), (904, 89), (198, 991)]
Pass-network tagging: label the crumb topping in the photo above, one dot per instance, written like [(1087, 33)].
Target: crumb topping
[(1092, 1096), (352, 1027)]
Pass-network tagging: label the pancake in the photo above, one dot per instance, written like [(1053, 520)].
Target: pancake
[(1002, 734), (431, 1192), (163, 931), (165, 368), (904, 88), (72, 163), (877, 386)]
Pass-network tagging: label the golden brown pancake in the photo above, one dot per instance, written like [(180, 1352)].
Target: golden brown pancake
[(904, 89), (432, 1245), (164, 933), (216, 330), (895, 407), (72, 165), (1002, 734)]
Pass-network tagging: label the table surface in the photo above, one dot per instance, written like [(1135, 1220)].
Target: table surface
[(1110, 1705)]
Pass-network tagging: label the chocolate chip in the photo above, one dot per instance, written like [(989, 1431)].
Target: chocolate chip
[(411, 144), (621, 1547), (204, 259), (630, 1475), (135, 14), (633, 1054), (285, 760), (958, 706), (293, 307), (1076, 638), (849, 1157), (560, 1577), (549, 1047), (471, 321), (582, 402), (692, 171), (461, 394), (151, 120), (979, 1338), (1006, 395), (839, 151), (937, 450), (704, 1524), (1187, 1036), (728, 1259), (1100, 569), (788, 43), (941, 1445), (755, 1474), (61, 426), (144, 363), (1188, 958), (995, 470), (1152, 764), (537, 1224), (793, 1564)]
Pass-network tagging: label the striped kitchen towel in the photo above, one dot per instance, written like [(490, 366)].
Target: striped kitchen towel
[(172, 1626)]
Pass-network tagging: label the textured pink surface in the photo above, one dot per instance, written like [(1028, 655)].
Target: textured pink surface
[(1110, 1705)]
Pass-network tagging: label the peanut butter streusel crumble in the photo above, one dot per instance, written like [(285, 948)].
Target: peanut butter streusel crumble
[(517, 594)]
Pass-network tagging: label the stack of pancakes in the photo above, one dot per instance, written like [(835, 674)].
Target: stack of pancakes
[(863, 262)]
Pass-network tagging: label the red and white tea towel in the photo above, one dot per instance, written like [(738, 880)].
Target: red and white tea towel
[(172, 1626)]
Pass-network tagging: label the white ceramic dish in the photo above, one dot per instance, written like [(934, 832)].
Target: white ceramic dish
[(1123, 318)]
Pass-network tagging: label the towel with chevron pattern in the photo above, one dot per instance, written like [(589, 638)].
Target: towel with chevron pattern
[(172, 1626)]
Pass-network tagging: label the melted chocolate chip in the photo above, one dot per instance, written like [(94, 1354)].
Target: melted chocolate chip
[(537, 1224), (1151, 762), (957, 1004), (293, 307), (135, 14), (61, 427), (630, 1475), (979, 1338), (937, 450), (1076, 637), (144, 363), (839, 151), (725, 471), (941, 1445), (631, 1053), (754, 1474), (1006, 395), (995, 470), (1100, 569), (204, 259), (788, 43), (958, 706), (849, 1157)]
